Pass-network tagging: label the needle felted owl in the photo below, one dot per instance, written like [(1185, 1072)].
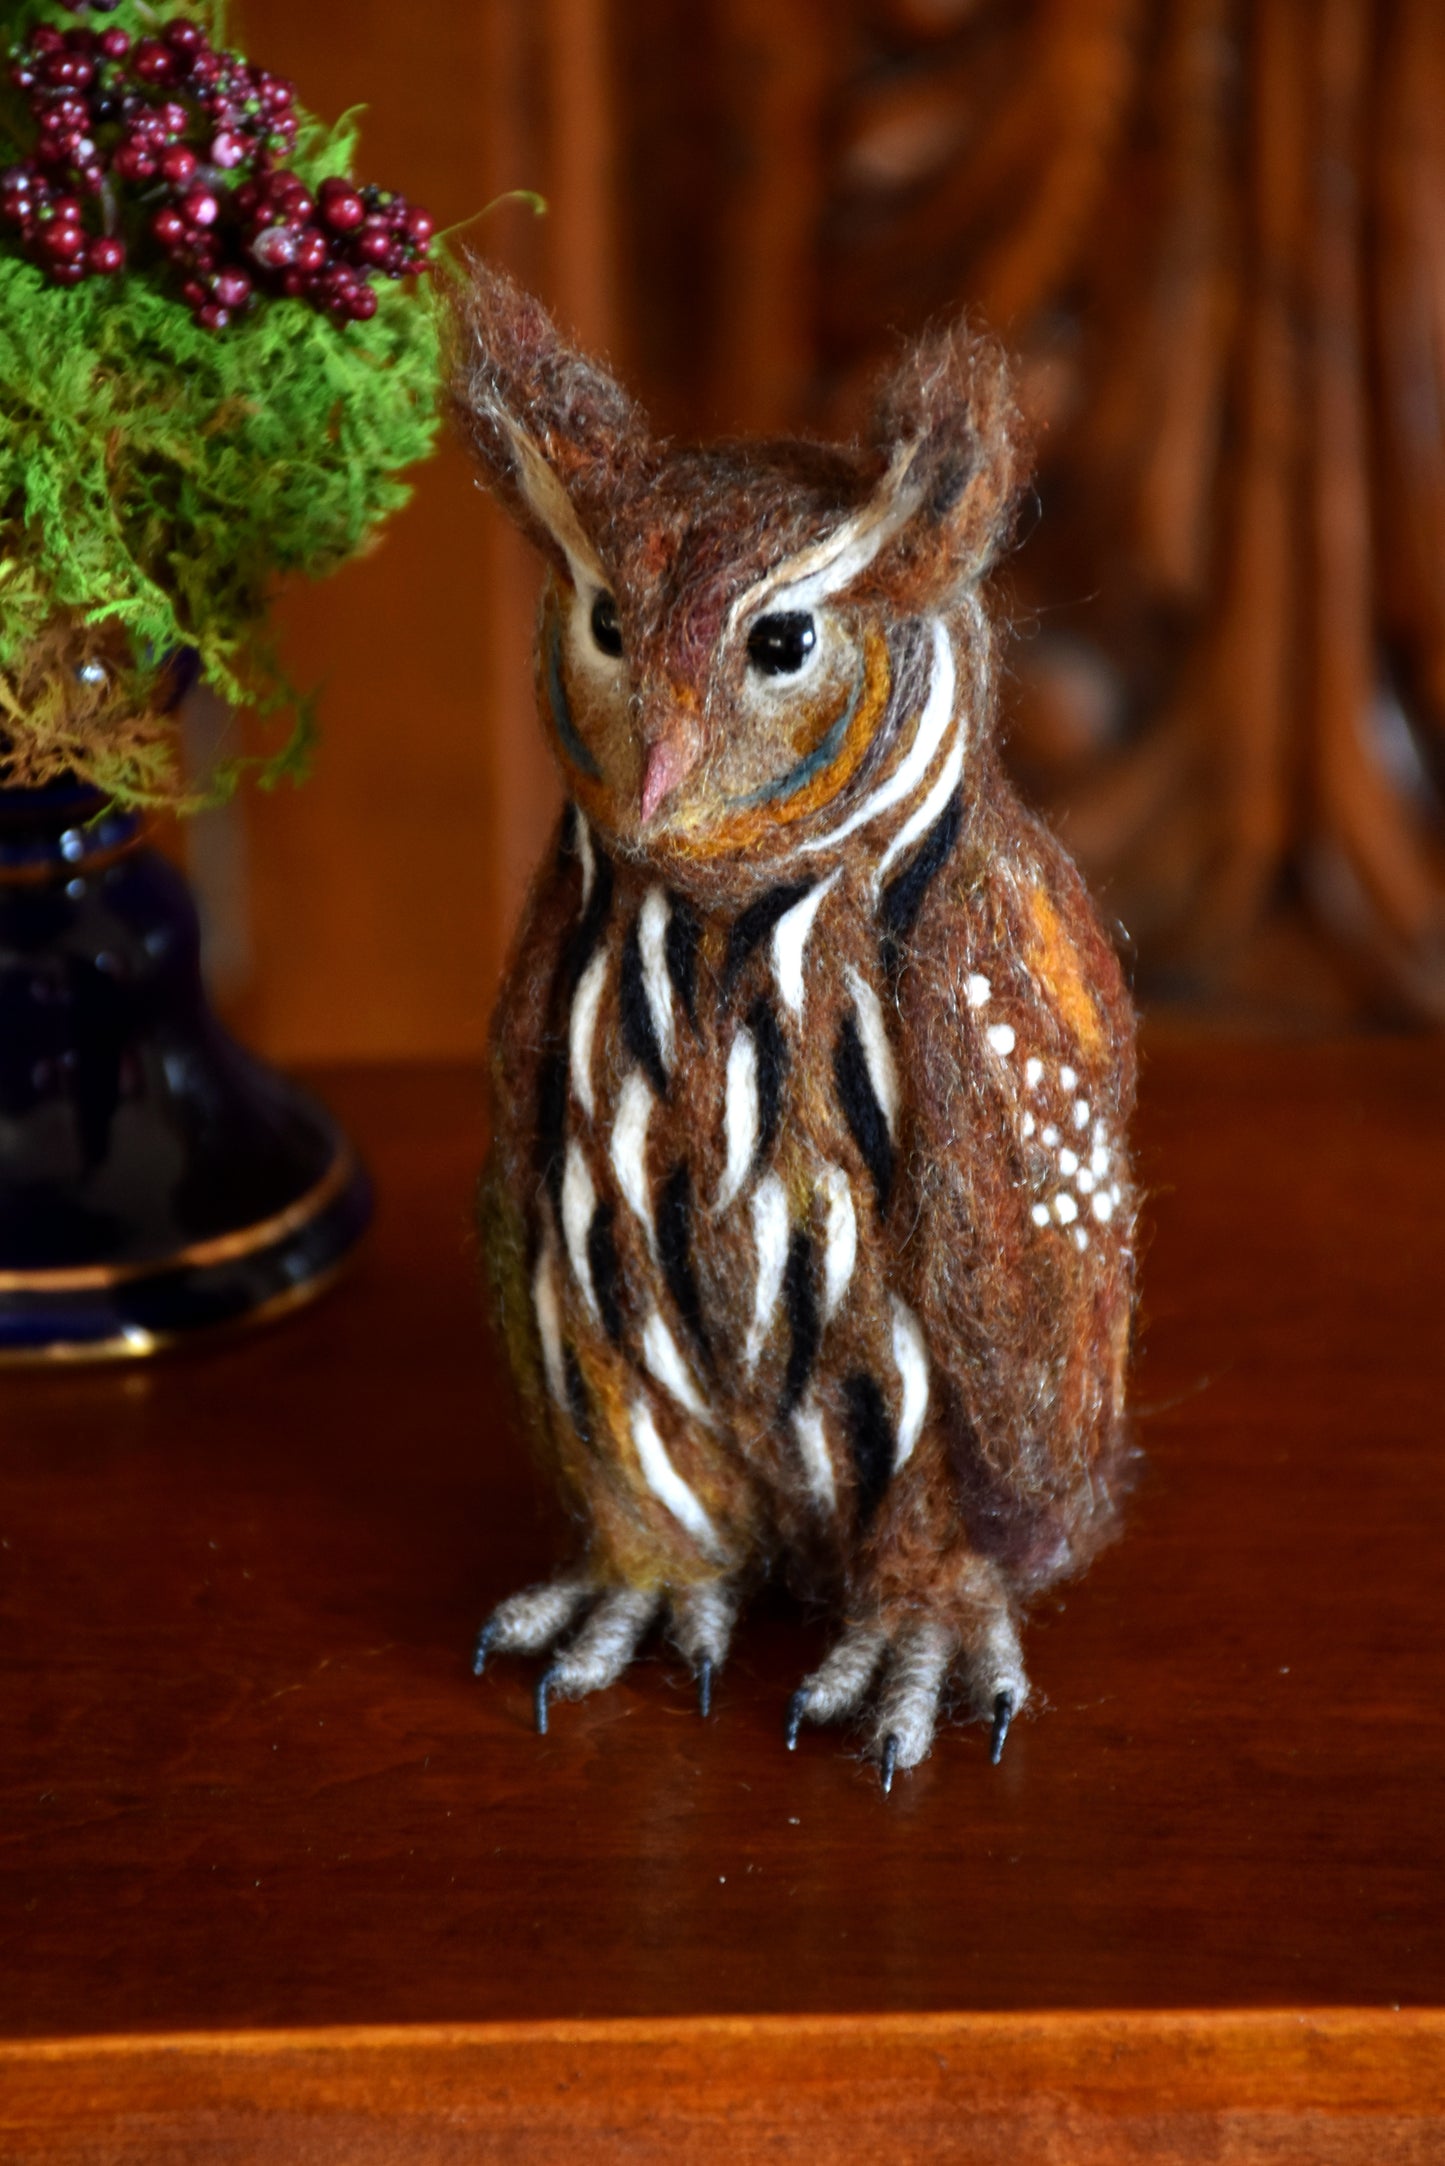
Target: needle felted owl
[(808, 1210)]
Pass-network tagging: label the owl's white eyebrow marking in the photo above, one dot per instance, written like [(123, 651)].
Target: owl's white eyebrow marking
[(910, 1355), (908, 774), (740, 1116), (770, 1238), (666, 1484), (876, 1050), (582, 1027), (827, 566), (579, 1201), (629, 1148), (549, 1322), (586, 855), (840, 1238), (790, 942), (656, 984), (817, 1459), (660, 1352)]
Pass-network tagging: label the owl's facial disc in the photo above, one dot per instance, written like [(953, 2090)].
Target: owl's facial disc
[(731, 767)]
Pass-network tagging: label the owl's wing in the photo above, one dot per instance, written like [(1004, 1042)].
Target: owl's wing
[(1017, 1031)]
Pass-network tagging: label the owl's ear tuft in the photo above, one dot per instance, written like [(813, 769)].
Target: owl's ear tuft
[(950, 431), (553, 433)]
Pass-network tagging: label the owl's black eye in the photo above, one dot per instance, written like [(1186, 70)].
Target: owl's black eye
[(779, 646), (605, 628)]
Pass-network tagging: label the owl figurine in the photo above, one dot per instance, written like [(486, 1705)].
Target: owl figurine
[(808, 1210)]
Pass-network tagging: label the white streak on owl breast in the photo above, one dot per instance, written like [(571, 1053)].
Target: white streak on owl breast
[(666, 1484), (922, 818), (910, 1355), (661, 1353), (790, 943), (877, 1052), (579, 1201), (840, 1238), (740, 1116), (770, 1243), (629, 1147), (817, 1459), (582, 1029), (909, 773), (656, 984)]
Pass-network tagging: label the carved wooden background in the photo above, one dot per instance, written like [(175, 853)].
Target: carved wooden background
[(1211, 230)]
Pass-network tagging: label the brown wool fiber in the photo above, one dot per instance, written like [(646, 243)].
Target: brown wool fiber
[(809, 1210)]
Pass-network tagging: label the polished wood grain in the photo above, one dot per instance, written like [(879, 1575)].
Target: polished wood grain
[(1327, 2089), (247, 1781)]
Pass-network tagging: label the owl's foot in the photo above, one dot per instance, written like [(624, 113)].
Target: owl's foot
[(917, 1660), (618, 1619)]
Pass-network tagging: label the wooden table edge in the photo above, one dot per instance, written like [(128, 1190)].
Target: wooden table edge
[(1345, 2083)]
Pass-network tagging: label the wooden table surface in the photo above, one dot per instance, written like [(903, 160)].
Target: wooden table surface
[(255, 1813)]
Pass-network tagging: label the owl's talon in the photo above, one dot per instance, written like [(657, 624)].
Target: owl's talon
[(1003, 1715), (889, 1762), (793, 1721), (704, 1688), (542, 1688), (484, 1646)]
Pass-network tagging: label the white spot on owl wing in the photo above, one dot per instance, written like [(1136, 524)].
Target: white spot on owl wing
[(1040, 1214), (1001, 1037), (1102, 1204), (770, 1243), (582, 1029), (1033, 1072), (586, 855), (656, 984), (977, 990), (790, 943), (840, 1238), (908, 774), (665, 1361), (817, 1459), (666, 1484), (877, 1052), (549, 1320), (579, 1201), (1081, 1112), (1065, 1208), (1068, 1161), (1068, 1078), (910, 1355), (629, 1147), (740, 1116)]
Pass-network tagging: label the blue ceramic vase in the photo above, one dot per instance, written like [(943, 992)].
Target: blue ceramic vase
[(155, 1180)]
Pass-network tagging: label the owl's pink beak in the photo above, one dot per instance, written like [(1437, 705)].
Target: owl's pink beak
[(668, 762)]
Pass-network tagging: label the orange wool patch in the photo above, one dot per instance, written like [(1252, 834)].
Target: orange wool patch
[(1054, 962)]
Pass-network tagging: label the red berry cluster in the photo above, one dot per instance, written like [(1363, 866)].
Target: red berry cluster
[(182, 145)]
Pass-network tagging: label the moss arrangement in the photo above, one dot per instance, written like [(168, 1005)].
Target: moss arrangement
[(160, 469)]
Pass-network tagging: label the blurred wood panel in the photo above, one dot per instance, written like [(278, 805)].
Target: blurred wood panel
[(382, 894)]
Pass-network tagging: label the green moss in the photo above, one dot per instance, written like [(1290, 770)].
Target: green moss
[(156, 479)]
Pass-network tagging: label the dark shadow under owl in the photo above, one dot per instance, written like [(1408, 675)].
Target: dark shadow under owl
[(808, 1211)]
